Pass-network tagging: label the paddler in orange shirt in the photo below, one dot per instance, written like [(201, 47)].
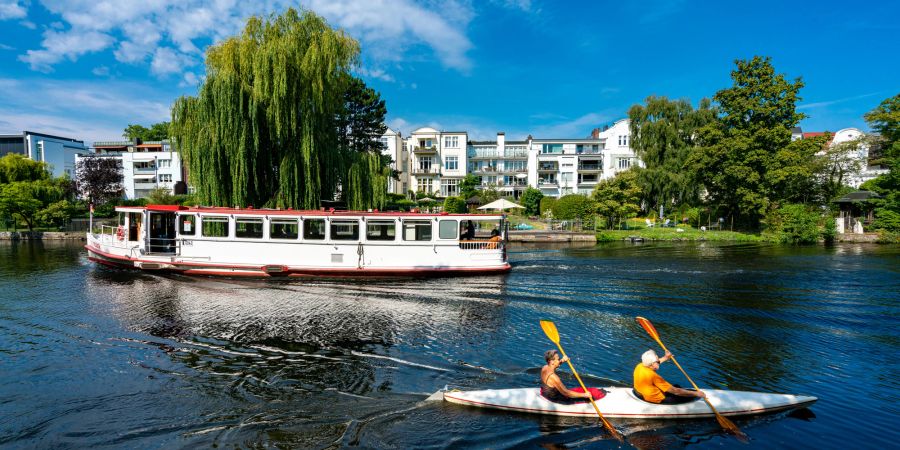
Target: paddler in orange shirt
[(651, 387)]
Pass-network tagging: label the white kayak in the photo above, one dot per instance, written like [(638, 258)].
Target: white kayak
[(621, 402)]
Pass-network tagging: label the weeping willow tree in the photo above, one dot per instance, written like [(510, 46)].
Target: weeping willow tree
[(663, 133), (263, 129)]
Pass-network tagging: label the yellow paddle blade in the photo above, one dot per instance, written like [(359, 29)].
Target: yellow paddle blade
[(729, 426), (550, 330), (651, 330)]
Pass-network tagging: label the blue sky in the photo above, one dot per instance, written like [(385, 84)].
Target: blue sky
[(87, 68)]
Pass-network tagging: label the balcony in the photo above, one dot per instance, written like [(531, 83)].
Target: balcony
[(590, 181), (483, 154), (513, 170), (590, 167), (548, 183), (421, 150), (145, 169), (433, 170), (544, 167), (145, 185), (485, 169)]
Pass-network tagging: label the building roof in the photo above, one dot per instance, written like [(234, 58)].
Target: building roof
[(858, 196), (812, 134), (26, 132)]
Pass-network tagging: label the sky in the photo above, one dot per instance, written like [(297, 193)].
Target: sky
[(552, 69)]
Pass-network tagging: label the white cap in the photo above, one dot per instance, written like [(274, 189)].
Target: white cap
[(649, 357)]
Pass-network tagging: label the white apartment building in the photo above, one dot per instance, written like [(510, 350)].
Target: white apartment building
[(394, 147), (565, 166), (500, 164), (437, 161), (146, 166), (617, 153), (861, 154)]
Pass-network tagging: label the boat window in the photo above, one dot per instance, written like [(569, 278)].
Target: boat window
[(314, 229), (214, 226), (121, 219), (283, 229), (447, 229), (416, 230), (345, 230), (248, 227), (187, 225), (381, 230)]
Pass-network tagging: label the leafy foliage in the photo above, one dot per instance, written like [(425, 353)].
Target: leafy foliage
[(663, 134), (468, 186), (162, 196), (489, 194), (455, 205), (547, 205), (743, 151), (99, 179), (618, 198), (15, 167), (156, 132), (792, 224), (25, 199), (574, 206), (531, 200), (273, 124), (885, 119), (56, 214)]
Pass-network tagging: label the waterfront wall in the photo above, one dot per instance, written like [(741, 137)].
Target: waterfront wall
[(42, 235)]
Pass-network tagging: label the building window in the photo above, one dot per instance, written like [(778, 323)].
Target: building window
[(384, 143), (451, 163), (624, 163), (164, 163), (425, 164), (425, 185), (623, 141), (449, 188), (552, 148), (165, 178), (451, 142), (565, 177)]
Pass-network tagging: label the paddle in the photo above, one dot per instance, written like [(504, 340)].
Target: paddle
[(723, 421), (551, 332)]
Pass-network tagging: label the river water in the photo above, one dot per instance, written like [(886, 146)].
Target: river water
[(98, 357)]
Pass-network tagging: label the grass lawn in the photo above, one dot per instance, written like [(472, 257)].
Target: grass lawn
[(639, 228)]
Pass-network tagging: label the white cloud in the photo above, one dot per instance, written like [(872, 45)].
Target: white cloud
[(832, 102), (167, 61), (189, 79), (100, 71), (573, 129), (376, 73), (12, 10), (89, 111), (59, 45)]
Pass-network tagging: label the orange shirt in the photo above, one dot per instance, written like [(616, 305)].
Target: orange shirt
[(650, 384)]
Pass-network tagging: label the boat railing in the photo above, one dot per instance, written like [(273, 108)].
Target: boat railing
[(113, 236), (480, 244), (163, 246)]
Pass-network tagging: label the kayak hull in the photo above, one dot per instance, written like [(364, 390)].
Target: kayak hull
[(621, 403)]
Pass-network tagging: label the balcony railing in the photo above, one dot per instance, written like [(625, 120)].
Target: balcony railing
[(589, 167), (548, 183), (432, 149), (145, 169), (426, 170), (548, 168), (145, 185), (484, 169)]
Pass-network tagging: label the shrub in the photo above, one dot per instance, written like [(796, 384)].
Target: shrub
[(531, 200), (574, 206), (792, 224), (887, 220), (547, 204), (455, 205)]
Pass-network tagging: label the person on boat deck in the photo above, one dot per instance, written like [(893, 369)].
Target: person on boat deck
[(470, 231), (495, 238), (554, 390), (653, 388)]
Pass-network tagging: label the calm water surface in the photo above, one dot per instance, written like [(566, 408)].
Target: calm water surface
[(94, 357)]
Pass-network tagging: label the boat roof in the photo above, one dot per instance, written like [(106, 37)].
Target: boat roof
[(296, 212)]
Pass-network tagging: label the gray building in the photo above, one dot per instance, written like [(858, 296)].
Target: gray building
[(58, 152)]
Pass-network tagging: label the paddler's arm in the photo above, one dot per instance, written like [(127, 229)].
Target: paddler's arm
[(685, 393), (557, 383)]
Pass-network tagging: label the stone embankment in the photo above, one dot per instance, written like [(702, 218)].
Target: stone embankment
[(42, 235), (551, 236), (853, 237)]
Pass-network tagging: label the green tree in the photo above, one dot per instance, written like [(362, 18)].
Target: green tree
[(468, 187), (885, 119), (531, 200), (162, 196), (156, 132), (547, 205), (663, 133), (740, 150), (792, 224), (262, 129), (574, 207), (360, 124), (618, 198), (23, 200), (455, 205), (99, 179), (15, 167), (56, 214), (489, 194)]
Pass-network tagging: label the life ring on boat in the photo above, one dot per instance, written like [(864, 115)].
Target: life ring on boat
[(120, 233)]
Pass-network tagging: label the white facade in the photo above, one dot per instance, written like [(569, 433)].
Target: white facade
[(618, 155), (146, 171), (566, 166), (437, 161), (394, 148), (861, 155), (500, 164)]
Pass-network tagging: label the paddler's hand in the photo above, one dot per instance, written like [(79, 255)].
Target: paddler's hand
[(565, 358), (668, 356), (700, 394)]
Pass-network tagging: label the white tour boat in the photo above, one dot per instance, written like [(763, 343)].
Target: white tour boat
[(269, 242), (620, 402)]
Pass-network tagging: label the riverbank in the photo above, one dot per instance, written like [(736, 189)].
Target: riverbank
[(673, 234), (42, 235)]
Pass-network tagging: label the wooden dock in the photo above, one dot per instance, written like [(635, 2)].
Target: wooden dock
[(550, 236)]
